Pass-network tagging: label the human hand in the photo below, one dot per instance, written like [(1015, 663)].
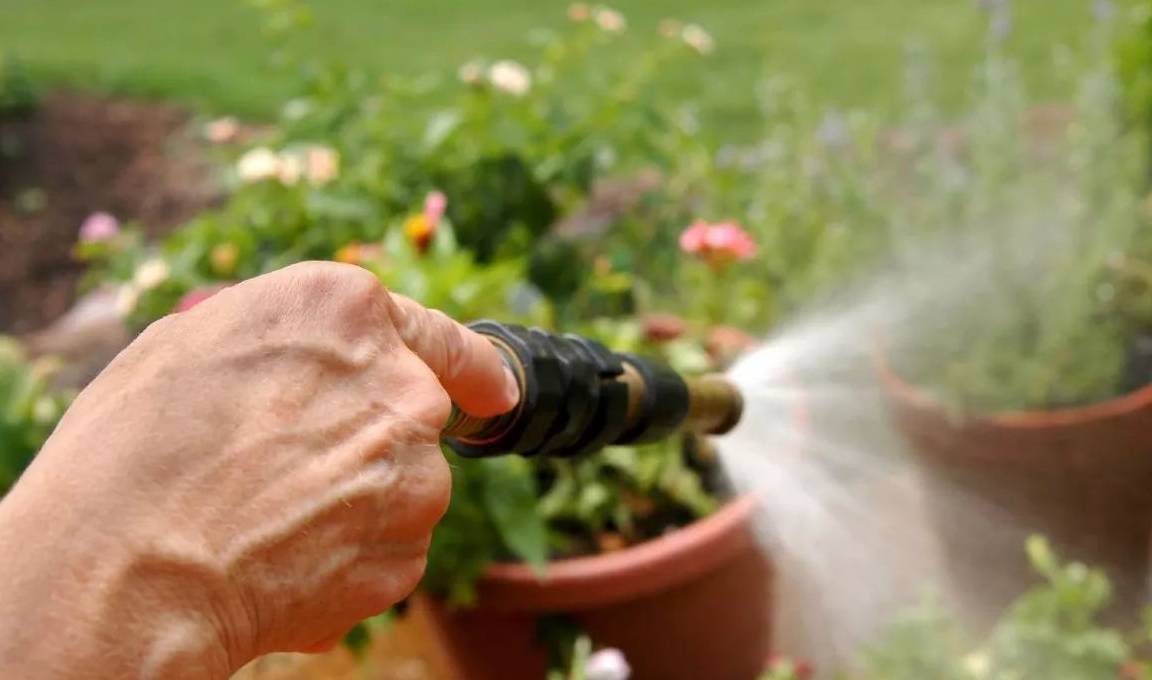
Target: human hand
[(254, 475)]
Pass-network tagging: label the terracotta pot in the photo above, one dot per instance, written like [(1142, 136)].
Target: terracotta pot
[(1080, 476), (692, 604)]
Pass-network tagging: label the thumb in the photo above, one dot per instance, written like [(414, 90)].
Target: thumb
[(469, 368)]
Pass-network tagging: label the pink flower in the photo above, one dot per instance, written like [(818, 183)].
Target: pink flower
[(435, 203), (196, 296), (222, 130), (717, 243), (725, 343), (322, 165), (99, 226)]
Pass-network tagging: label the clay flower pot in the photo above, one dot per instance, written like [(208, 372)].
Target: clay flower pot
[(1081, 476), (691, 604)]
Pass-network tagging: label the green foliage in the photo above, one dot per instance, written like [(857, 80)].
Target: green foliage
[(1054, 631), (18, 96), (515, 149), (29, 409), (492, 517), (1050, 221), (1134, 63)]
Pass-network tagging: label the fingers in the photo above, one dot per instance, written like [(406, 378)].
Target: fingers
[(467, 365)]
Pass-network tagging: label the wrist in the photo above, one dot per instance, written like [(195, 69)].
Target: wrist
[(84, 597)]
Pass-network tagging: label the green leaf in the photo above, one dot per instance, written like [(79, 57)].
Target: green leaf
[(509, 493), (440, 127)]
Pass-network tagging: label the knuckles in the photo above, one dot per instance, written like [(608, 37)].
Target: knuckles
[(349, 291)]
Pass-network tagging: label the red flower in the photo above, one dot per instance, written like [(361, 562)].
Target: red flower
[(662, 327)]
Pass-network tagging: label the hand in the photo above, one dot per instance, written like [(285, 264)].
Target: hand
[(254, 475)]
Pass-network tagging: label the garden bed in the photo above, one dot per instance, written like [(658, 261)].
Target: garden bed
[(79, 153)]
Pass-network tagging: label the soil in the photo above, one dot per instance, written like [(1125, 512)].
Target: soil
[(77, 154)]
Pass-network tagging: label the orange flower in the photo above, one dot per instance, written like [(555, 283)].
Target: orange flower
[(358, 253), (419, 230)]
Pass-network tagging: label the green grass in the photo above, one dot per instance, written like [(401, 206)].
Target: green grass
[(210, 53)]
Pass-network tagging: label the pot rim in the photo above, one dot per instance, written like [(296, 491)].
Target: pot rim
[(1020, 419), (650, 567)]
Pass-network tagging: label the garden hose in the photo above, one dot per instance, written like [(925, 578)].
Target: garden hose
[(577, 396)]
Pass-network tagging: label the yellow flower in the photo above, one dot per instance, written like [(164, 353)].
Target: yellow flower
[(419, 230), (223, 258)]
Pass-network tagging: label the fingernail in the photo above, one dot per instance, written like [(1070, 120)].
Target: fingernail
[(511, 385)]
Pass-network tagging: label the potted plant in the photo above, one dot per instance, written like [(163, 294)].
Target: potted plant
[(1023, 387), (463, 221), (1056, 629), (605, 542)]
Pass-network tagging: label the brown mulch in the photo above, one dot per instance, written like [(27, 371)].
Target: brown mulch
[(77, 154)]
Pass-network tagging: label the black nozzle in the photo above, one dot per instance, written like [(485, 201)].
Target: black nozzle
[(576, 397)]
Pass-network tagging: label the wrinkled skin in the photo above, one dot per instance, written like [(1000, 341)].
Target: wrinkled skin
[(254, 475)]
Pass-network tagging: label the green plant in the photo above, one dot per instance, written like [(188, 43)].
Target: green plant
[(1134, 63), (515, 149), (1043, 206), (454, 205), (535, 510), (29, 409), (18, 96), (1054, 631)]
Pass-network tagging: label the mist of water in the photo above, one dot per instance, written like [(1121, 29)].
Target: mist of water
[(844, 519)]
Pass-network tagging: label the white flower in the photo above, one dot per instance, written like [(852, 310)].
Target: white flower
[(290, 169), (607, 664), (44, 410), (976, 664), (509, 76), (697, 38), (150, 274), (322, 165), (126, 298), (222, 130), (258, 164), (610, 20), (295, 109), (471, 73)]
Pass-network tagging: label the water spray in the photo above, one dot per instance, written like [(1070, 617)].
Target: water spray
[(577, 397)]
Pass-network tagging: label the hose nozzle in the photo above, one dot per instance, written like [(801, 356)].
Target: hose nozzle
[(576, 397)]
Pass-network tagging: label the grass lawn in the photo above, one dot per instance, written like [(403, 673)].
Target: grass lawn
[(210, 53)]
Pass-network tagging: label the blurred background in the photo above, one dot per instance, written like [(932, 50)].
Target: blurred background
[(915, 232)]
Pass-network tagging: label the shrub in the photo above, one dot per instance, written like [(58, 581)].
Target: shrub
[(29, 408)]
